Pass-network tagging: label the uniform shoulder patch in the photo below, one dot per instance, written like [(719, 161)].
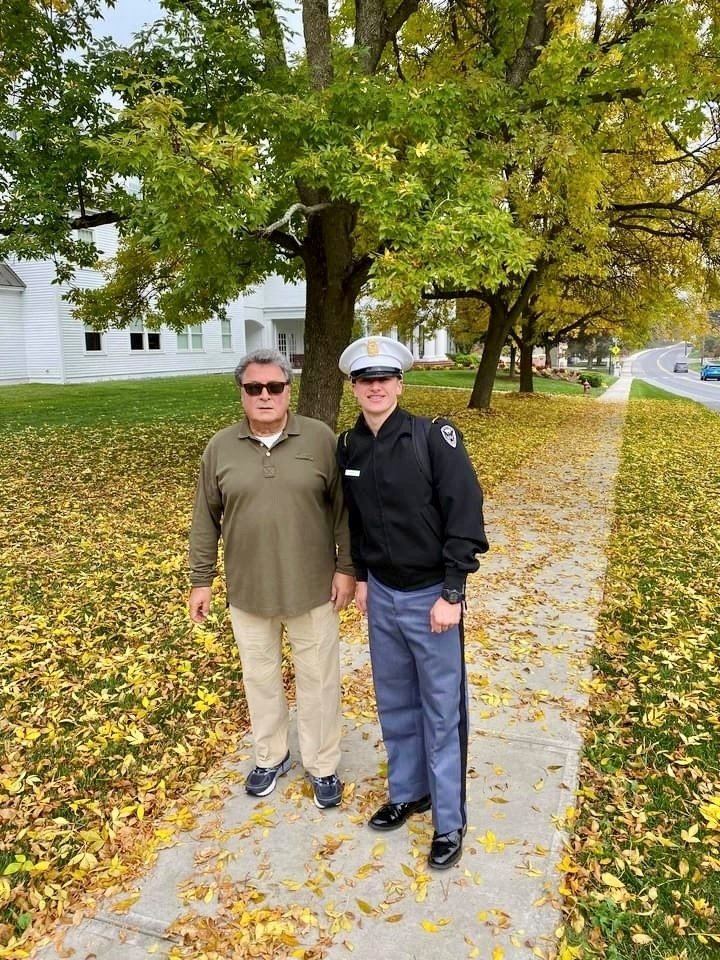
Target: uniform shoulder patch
[(449, 435)]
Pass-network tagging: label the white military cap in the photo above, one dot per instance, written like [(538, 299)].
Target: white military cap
[(375, 357)]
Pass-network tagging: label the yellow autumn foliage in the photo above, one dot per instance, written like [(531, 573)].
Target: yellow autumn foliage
[(643, 862), (115, 709)]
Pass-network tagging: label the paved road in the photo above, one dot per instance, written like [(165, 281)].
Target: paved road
[(656, 367)]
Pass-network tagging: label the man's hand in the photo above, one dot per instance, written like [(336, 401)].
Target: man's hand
[(444, 615), (361, 597), (199, 604), (342, 590)]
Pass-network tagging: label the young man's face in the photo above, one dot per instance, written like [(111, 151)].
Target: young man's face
[(378, 397)]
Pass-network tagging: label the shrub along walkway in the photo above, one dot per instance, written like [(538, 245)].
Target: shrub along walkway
[(279, 878)]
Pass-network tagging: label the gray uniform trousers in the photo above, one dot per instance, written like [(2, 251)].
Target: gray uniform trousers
[(421, 691)]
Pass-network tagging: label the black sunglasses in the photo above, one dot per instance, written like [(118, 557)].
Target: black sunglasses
[(273, 386)]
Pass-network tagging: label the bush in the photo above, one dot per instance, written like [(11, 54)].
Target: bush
[(594, 379), (464, 359)]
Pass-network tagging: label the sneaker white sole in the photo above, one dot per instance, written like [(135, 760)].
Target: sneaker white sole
[(324, 806), (281, 773), (265, 792)]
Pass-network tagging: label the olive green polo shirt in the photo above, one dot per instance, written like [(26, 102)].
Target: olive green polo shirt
[(280, 513)]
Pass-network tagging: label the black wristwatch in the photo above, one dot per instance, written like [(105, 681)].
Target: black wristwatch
[(452, 595)]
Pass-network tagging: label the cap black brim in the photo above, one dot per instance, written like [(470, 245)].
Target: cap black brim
[(366, 373)]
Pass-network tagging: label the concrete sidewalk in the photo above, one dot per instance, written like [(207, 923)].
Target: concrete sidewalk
[(254, 878), (619, 392)]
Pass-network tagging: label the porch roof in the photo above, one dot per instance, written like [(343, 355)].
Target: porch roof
[(8, 278)]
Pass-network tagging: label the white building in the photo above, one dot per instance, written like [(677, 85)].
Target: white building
[(42, 342)]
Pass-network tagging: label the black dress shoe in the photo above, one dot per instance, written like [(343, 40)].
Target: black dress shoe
[(445, 849), (393, 815)]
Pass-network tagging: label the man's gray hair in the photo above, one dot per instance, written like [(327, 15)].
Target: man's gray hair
[(265, 357)]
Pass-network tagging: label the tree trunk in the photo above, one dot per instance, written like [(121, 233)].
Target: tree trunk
[(526, 367), (498, 329), (513, 359), (328, 328), (333, 280)]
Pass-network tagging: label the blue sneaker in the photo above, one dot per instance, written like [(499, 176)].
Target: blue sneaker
[(262, 780), (327, 790)]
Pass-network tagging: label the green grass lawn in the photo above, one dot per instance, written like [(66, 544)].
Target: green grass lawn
[(640, 390), (117, 401), (644, 877), (503, 382), (182, 398)]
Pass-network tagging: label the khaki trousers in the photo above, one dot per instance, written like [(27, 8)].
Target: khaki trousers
[(315, 649)]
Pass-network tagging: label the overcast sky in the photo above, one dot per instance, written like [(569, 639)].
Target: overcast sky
[(127, 17)]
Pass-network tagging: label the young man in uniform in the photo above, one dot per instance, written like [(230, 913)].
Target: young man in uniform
[(416, 526)]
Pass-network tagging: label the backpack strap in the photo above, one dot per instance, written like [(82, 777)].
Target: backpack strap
[(342, 448), (420, 429)]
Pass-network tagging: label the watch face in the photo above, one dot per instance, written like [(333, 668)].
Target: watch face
[(452, 596)]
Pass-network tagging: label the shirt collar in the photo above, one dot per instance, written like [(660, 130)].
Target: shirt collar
[(292, 428), (395, 422)]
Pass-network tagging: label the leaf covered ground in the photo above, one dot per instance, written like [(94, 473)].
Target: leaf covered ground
[(113, 708), (643, 875)]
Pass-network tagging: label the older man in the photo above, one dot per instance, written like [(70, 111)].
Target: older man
[(270, 486), (417, 525)]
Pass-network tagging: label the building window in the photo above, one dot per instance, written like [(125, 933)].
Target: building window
[(142, 339), (85, 236), (226, 334), (286, 344), (93, 340), (191, 338)]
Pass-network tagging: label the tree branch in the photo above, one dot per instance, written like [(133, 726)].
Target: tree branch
[(287, 216), (316, 28), (359, 274), (675, 205), (89, 220), (611, 96), (370, 33), (398, 64), (526, 291), (684, 153), (374, 28), (679, 233), (271, 33), (285, 241), (401, 15), (435, 294), (597, 29), (536, 34)]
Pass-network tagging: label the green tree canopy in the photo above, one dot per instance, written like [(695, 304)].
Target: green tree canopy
[(232, 158), (488, 150), (600, 124)]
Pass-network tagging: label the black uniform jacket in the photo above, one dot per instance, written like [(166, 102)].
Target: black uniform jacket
[(407, 531)]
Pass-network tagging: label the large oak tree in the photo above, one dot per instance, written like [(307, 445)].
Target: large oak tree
[(597, 121), (236, 155)]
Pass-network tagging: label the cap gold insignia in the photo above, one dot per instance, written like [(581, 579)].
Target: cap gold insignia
[(373, 348)]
